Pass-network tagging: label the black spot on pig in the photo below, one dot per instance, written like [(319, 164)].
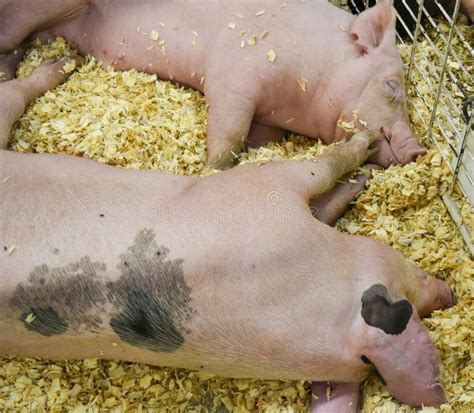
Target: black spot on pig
[(379, 310), (72, 294), (44, 321), (151, 300), (145, 323)]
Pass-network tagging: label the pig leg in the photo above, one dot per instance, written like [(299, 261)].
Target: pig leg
[(335, 397), (18, 93), (9, 63), (329, 206), (260, 135), (228, 123), (19, 19), (312, 178)]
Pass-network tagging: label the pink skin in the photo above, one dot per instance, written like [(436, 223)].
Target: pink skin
[(349, 62), (408, 358), (468, 8), (342, 397)]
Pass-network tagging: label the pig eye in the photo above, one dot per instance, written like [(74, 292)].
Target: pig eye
[(392, 88)]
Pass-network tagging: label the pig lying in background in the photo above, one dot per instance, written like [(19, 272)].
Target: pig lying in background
[(300, 66), (114, 263)]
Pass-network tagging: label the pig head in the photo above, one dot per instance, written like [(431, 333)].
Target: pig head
[(375, 88)]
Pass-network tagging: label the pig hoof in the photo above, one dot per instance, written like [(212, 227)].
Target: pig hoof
[(384, 156), (51, 73), (9, 63), (367, 135)]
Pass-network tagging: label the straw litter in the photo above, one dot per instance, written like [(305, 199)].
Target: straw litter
[(132, 120)]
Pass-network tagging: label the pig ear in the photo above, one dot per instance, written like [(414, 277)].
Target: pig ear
[(373, 27), (408, 363)]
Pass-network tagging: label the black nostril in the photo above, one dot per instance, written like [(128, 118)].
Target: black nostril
[(365, 359)]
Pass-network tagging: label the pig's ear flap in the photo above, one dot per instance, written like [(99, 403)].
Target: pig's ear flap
[(373, 27), (408, 363), (399, 346)]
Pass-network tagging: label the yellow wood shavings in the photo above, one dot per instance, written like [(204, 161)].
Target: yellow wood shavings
[(263, 34), (154, 35), (302, 83), (271, 55), (30, 318), (11, 249), (260, 13), (238, 15), (232, 26), (328, 393), (252, 41)]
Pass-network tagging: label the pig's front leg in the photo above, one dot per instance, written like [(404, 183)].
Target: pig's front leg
[(228, 123), (9, 63)]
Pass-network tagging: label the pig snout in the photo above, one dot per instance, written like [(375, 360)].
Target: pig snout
[(433, 295), (404, 144)]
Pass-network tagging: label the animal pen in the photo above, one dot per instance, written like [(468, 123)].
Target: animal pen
[(133, 120), (440, 55)]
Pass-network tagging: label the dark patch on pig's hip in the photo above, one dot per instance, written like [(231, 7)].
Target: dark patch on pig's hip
[(151, 299), (379, 310), (145, 323), (44, 321), (66, 297)]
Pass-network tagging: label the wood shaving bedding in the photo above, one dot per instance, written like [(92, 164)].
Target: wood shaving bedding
[(132, 120)]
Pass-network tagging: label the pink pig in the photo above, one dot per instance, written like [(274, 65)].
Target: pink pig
[(264, 66)]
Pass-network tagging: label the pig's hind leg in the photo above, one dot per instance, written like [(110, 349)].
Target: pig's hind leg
[(228, 123)]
